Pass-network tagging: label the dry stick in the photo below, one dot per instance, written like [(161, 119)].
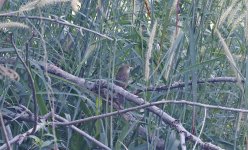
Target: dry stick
[(20, 137), (9, 132), (4, 132), (203, 124), (90, 85), (56, 20), (149, 105), (14, 116), (177, 85), (83, 133), (154, 103), (32, 84), (93, 86), (182, 141), (129, 116), (20, 113)]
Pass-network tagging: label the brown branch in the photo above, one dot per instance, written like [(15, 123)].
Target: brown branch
[(179, 84), (4, 132), (160, 88), (94, 86), (102, 83), (182, 141), (144, 106), (162, 102), (17, 113)]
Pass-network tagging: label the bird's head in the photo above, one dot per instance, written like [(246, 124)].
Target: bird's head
[(122, 75), (126, 68)]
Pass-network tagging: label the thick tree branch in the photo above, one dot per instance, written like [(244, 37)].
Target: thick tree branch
[(93, 86)]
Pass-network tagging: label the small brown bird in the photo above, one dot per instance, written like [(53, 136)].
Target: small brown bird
[(122, 76)]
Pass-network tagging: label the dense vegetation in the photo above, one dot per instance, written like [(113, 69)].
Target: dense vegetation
[(59, 59)]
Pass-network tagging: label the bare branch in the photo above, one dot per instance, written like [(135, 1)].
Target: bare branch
[(182, 141), (102, 84), (93, 86), (149, 105), (179, 84), (56, 20), (203, 124), (4, 132), (20, 137)]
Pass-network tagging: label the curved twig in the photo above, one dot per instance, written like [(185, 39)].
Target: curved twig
[(57, 20)]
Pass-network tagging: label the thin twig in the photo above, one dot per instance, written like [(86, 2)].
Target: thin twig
[(179, 84), (32, 84), (203, 124), (4, 132), (57, 20), (182, 141), (149, 105), (20, 137)]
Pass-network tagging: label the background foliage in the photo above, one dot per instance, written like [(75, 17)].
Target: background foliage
[(192, 40)]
